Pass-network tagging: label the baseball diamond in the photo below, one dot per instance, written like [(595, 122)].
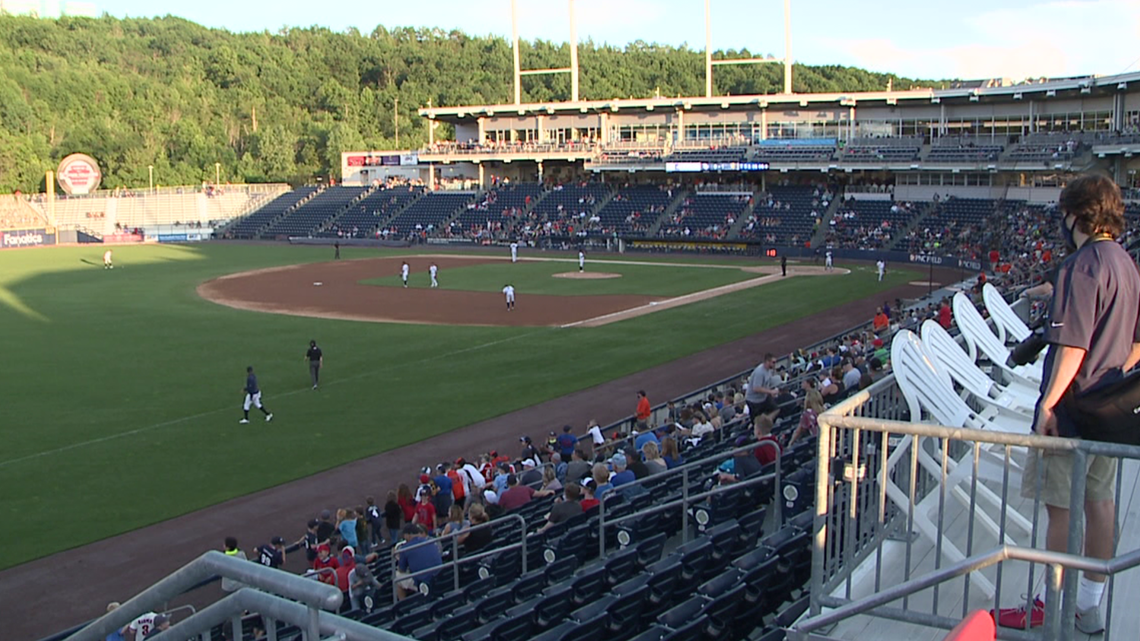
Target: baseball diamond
[(343, 296)]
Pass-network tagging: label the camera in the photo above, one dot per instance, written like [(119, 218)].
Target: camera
[(1027, 350)]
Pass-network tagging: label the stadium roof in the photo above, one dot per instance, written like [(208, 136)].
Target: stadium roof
[(1043, 89)]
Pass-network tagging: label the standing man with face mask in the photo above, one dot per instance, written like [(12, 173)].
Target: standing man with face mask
[(1093, 333)]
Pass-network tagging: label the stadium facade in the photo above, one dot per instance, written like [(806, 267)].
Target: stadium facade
[(990, 139)]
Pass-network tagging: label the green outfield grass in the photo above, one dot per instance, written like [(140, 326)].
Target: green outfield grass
[(537, 277), (121, 398)]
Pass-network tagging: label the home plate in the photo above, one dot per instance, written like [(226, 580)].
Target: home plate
[(317, 284)]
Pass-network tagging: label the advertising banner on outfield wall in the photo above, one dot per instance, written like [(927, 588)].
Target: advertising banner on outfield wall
[(669, 245), (26, 238), (122, 238)]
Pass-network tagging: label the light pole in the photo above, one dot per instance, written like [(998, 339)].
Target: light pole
[(217, 173), (150, 172)]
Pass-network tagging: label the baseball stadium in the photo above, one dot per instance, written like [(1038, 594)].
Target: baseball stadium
[(760, 351)]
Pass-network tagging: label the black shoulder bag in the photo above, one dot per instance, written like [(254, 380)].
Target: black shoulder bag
[(1109, 413)]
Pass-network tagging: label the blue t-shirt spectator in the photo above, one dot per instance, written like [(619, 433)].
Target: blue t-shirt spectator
[(642, 439), (566, 444), (623, 477), (420, 558), (443, 482), (348, 532), (602, 489)]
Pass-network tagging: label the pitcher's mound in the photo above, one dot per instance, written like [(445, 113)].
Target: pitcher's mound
[(587, 275)]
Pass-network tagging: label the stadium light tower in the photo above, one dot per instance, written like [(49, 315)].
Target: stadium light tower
[(572, 69), (710, 63)]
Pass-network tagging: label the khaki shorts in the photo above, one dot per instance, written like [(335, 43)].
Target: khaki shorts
[(406, 580), (1100, 478)]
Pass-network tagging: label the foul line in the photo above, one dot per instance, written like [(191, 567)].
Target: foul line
[(148, 428)]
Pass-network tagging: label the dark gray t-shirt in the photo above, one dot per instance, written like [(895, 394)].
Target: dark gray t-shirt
[(1096, 307)]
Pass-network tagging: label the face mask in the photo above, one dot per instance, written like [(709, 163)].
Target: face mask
[(1067, 233)]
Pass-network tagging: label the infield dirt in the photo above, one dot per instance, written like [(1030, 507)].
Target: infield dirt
[(333, 290)]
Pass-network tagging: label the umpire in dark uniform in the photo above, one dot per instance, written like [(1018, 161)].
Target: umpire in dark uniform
[(316, 359)]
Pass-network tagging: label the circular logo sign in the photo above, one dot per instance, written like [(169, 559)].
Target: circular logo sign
[(78, 174)]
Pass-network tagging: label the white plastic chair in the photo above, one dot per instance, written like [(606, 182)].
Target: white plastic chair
[(948, 354), (1011, 329), (979, 338), (926, 386)]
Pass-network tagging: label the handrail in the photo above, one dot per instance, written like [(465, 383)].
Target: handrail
[(686, 498), (273, 609), (840, 431), (317, 595), (976, 562), (455, 560)]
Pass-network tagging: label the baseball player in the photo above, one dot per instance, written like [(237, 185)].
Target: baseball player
[(434, 270), (509, 291), (514, 251), (882, 269), (404, 270), (581, 260), (107, 264), (336, 245), (316, 358), (253, 397), (827, 261), (784, 265)]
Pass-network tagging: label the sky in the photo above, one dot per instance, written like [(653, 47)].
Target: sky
[(927, 39)]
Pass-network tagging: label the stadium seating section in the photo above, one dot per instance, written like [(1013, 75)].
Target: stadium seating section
[(890, 150), (705, 215), (870, 224), (569, 207), (786, 216), (315, 213), (500, 208), (428, 213), (634, 210), (712, 154), (361, 220), (775, 152), (252, 225)]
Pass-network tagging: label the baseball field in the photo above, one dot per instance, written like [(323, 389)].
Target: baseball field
[(122, 388)]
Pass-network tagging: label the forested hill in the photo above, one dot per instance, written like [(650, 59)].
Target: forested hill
[(282, 106)]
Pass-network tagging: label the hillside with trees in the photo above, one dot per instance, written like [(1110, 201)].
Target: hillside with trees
[(282, 106)]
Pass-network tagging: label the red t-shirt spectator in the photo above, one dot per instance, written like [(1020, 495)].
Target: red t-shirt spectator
[(408, 506), (589, 503), (944, 316), (342, 576), (425, 515), (326, 577), (766, 453), (994, 256), (516, 496), (881, 321), (643, 410)]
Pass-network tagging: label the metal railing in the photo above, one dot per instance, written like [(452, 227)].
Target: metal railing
[(877, 551), (687, 501), (313, 595), (455, 561), (272, 609)]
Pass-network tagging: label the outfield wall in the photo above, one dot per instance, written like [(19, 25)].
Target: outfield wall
[(18, 238)]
